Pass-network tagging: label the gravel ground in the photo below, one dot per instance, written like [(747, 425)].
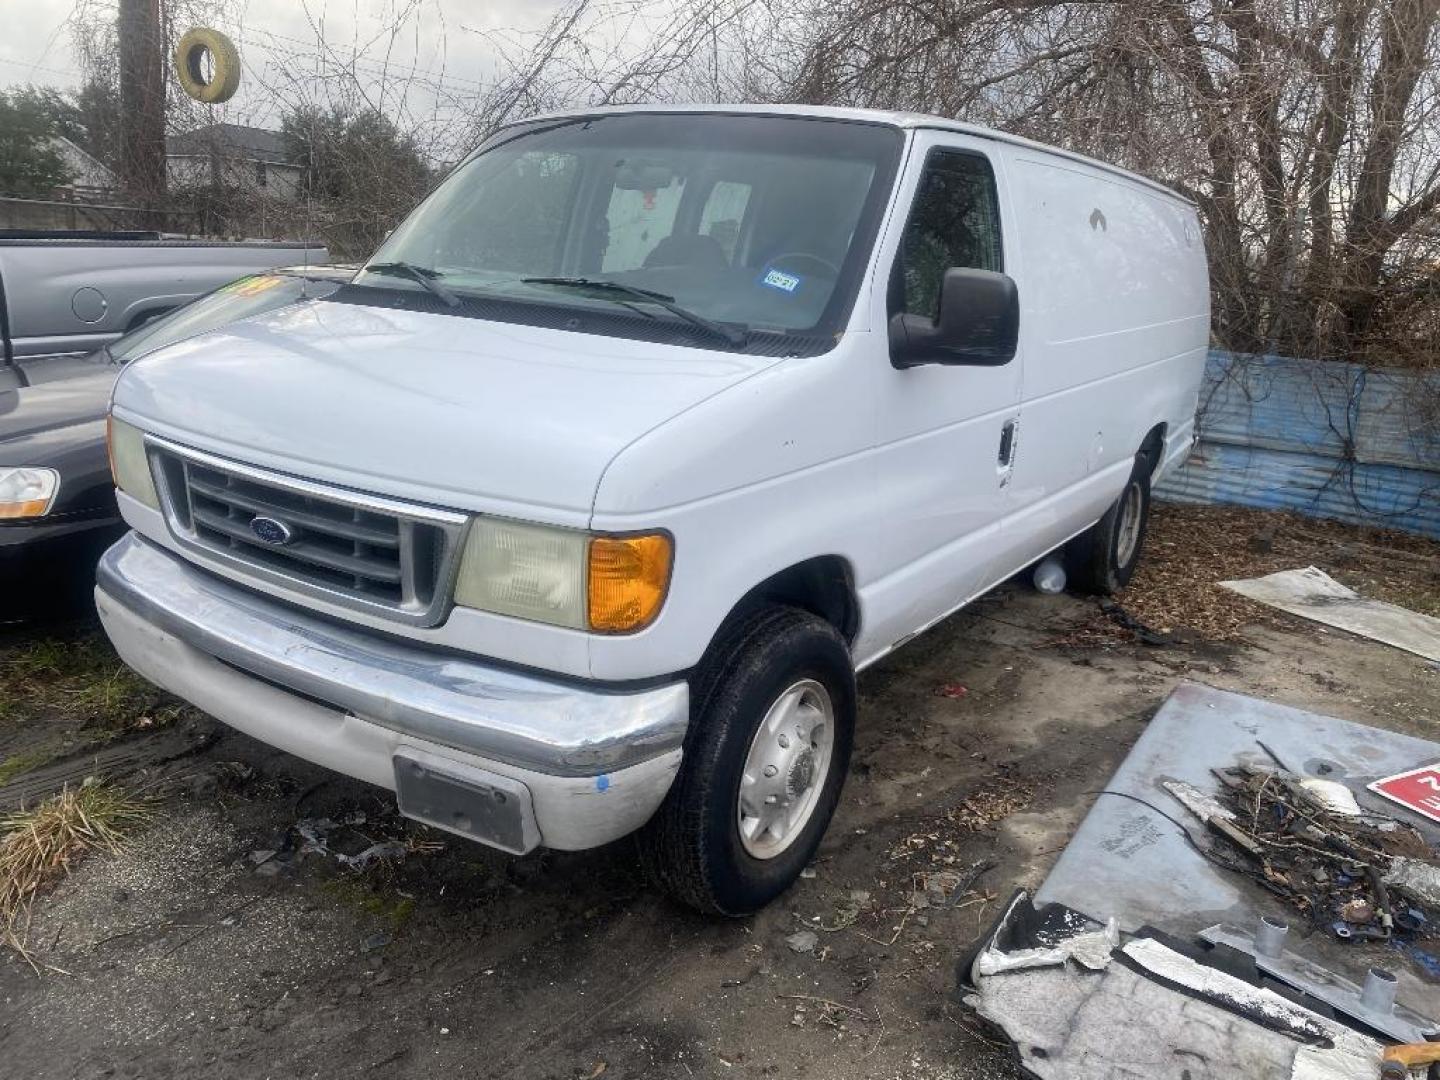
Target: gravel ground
[(195, 952)]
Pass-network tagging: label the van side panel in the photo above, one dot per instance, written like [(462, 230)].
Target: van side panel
[(1115, 321)]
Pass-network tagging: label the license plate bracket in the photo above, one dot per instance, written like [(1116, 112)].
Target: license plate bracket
[(465, 800)]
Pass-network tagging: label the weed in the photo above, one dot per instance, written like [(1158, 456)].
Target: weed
[(46, 657), (81, 682), (371, 897), (111, 693), (38, 846)]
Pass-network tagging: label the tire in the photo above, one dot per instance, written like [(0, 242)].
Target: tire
[(1102, 559), (225, 66), (693, 848)]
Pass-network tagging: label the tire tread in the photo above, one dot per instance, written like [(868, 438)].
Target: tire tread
[(1088, 556), (671, 849)]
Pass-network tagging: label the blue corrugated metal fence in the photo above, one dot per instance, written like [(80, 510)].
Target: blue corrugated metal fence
[(1326, 438)]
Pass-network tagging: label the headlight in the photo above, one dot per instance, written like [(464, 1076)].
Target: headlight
[(527, 571), (129, 464), (27, 492), (613, 584)]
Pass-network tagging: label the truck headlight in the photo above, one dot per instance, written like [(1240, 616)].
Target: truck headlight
[(129, 464), (27, 492), (565, 577)]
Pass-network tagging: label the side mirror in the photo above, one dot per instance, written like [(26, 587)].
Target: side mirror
[(978, 326)]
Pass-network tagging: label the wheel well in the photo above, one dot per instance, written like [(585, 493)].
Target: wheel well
[(1153, 445), (140, 318), (823, 586)]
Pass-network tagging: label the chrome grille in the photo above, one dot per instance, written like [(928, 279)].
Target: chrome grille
[(356, 549)]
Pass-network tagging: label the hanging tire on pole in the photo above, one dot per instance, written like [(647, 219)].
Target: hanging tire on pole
[(190, 56)]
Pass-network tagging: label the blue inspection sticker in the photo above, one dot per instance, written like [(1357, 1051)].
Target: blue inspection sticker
[(778, 279), (602, 783)]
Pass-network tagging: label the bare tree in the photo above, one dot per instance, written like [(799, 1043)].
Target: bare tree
[(1306, 130)]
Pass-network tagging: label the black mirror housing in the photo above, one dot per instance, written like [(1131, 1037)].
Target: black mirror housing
[(978, 324)]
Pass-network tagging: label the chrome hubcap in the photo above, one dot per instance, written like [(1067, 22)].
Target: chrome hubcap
[(1128, 534), (785, 769)]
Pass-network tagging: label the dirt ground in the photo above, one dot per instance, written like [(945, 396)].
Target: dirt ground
[(214, 945)]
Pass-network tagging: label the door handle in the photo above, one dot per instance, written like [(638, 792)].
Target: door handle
[(1007, 444)]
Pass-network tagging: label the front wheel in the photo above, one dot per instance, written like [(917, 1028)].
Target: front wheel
[(1102, 559), (772, 721)]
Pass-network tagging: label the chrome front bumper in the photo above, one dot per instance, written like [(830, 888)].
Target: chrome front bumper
[(594, 763)]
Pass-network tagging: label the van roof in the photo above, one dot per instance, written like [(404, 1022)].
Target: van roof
[(872, 116)]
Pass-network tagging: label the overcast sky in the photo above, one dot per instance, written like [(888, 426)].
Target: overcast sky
[(445, 43)]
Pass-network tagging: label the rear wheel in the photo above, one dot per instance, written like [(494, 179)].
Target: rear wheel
[(1103, 558), (772, 720)]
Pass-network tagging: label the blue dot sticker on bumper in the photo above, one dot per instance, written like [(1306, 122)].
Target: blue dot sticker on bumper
[(778, 279), (602, 783)]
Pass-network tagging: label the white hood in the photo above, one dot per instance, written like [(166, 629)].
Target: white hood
[(449, 410)]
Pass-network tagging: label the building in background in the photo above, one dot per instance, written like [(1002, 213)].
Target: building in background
[(232, 156), (86, 171)]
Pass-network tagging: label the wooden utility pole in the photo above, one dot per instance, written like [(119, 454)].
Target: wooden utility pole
[(142, 98)]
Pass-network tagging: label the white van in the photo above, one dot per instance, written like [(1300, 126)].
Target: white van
[(577, 511)]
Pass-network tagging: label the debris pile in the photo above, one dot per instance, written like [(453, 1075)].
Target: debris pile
[(1356, 875)]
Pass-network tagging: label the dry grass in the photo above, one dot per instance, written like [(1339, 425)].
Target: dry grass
[(77, 680), (38, 846), (70, 694), (1190, 549), (941, 838), (990, 804)]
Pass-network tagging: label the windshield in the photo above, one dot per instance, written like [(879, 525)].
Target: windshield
[(240, 299), (757, 222)]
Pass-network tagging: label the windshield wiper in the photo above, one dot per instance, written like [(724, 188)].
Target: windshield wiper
[(734, 335), (419, 274)]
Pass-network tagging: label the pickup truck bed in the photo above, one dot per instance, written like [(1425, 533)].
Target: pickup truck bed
[(72, 293)]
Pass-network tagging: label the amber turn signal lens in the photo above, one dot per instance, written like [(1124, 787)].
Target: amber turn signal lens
[(33, 509), (627, 582), (27, 492)]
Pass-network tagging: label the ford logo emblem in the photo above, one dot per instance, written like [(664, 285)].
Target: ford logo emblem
[(271, 531)]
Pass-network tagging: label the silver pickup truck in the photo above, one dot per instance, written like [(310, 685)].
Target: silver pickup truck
[(74, 292)]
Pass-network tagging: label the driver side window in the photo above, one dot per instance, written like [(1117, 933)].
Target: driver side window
[(955, 221)]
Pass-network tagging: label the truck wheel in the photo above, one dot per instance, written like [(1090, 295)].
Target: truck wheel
[(771, 724), (1102, 559)]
